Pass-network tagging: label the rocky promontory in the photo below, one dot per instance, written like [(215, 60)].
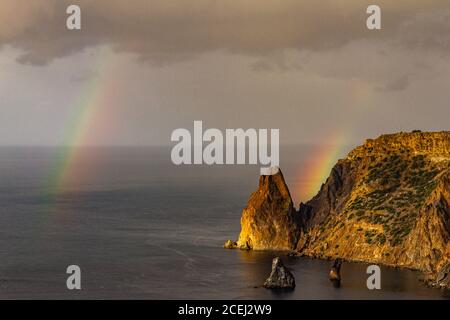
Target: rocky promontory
[(270, 221), (387, 202)]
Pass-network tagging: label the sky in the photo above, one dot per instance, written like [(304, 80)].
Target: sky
[(140, 69)]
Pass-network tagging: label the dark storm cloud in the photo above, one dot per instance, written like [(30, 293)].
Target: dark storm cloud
[(165, 31)]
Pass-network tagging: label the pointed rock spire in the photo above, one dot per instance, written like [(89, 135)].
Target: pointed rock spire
[(270, 221)]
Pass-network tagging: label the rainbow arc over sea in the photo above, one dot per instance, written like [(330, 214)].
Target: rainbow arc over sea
[(89, 115)]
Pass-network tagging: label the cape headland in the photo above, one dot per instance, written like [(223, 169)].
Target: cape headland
[(387, 202)]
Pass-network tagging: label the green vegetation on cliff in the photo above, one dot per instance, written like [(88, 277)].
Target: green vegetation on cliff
[(381, 203)]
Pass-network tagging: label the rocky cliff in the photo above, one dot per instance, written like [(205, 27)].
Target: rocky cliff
[(270, 221), (387, 202)]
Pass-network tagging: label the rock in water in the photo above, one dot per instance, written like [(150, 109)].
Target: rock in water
[(442, 280), (335, 273), (270, 221), (230, 244), (280, 277)]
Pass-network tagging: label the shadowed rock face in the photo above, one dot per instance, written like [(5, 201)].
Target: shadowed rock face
[(270, 221), (332, 196), (280, 277)]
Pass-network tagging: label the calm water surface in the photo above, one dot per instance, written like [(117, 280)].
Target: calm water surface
[(140, 227)]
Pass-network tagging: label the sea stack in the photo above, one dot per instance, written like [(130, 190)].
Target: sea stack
[(270, 221), (280, 277), (335, 273)]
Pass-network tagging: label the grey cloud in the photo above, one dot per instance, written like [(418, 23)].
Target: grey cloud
[(398, 84), (161, 32), (279, 62), (84, 76)]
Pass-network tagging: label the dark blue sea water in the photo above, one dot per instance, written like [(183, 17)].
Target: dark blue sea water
[(140, 227)]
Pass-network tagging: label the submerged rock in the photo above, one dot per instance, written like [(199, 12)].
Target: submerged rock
[(280, 277)]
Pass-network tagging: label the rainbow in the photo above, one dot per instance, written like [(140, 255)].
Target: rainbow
[(86, 110), (318, 167), (324, 156)]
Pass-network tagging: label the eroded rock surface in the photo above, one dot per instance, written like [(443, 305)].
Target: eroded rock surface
[(229, 244), (442, 279), (280, 277), (270, 221)]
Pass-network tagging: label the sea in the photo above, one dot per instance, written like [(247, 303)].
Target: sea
[(140, 227)]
